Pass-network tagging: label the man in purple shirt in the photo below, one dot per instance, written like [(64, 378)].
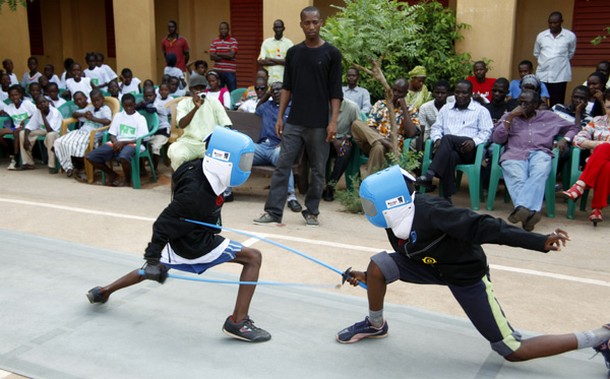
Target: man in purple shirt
[(528, 135)]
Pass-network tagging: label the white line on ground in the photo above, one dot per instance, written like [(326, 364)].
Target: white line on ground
[(4, 374), (252, 241)]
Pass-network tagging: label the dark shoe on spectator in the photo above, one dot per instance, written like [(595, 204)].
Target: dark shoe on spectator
[(53, 170), (519, 214), (266, 219), (310, 219), (27, 167), (294, 205), (328, 194), (532, 220), (423, 181)]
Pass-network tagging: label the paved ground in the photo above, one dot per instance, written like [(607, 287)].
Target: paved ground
[(71, 236)]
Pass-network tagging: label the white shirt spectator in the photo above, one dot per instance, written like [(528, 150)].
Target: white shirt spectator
[(54, 118), (97, 76), (14, 79), (25, 111), (109, 72), (554, 54), (162, 111), (133, 87), (84, 86), (427, 117), (56, 103), (128, 127), (473, 121)]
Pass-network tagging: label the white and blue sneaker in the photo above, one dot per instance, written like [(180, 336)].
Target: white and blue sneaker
[(362, 330), (604, 349)]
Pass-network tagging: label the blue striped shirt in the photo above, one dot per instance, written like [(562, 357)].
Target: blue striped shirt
[(474, 122)]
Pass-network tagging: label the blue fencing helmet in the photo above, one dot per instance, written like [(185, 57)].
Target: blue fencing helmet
[(387, 201), (235, 150)]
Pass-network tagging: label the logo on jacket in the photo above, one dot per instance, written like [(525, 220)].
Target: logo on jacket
[(429, 260)]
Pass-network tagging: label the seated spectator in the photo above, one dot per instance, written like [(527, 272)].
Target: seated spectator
[(129, 84), (418, 92), (459, 128), (174, 87), (114, 90), (528, 135), (161, 137), (595, 104), (596, 174), (52, 94), (5, 84), (110, 74), (250, 92), (77, 82), (154, 103), (8, 66), (46, 122), (533, 83), (173, 71), (267, 149), (481, 85), (341, 147), (19, 110), (75, 143), (49, 73), (428, 112), (575, 111), (199, 67), (499, 105), (67, 74), (32, 75), (150, 83), (526, 67), (603, 67), (355, 93), (214, 91), (96, 74), (127, 126), (35, 90), (198, 116), (249, 106), (373, 137)]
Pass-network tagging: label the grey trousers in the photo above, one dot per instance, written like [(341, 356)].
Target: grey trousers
[(317, 149)]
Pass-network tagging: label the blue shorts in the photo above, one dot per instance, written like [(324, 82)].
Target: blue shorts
[(225, 252)]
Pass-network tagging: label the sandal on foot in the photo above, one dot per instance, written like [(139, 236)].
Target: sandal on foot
[(575, 191), (596, 216)]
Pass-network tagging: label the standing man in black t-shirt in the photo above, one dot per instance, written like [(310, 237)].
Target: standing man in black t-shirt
[(312, 79)]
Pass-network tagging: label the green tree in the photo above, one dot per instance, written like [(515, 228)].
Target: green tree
[(386, 38), (12, 4)]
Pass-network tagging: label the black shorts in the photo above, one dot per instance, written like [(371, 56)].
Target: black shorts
[(477, 300)]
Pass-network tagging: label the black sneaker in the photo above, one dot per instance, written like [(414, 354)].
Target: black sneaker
[(294, 205), (228, 196), (95, 295), (245, 331), (328, 194), (310, 219), (361, 330)]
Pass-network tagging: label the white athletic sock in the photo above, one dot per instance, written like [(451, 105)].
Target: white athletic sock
[(376, 318), (592, 338)]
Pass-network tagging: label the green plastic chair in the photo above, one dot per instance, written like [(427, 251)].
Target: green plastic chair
[(574, 174), (67, 109), (473, 171), (236, 95), (496, 174), (152, 121)]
